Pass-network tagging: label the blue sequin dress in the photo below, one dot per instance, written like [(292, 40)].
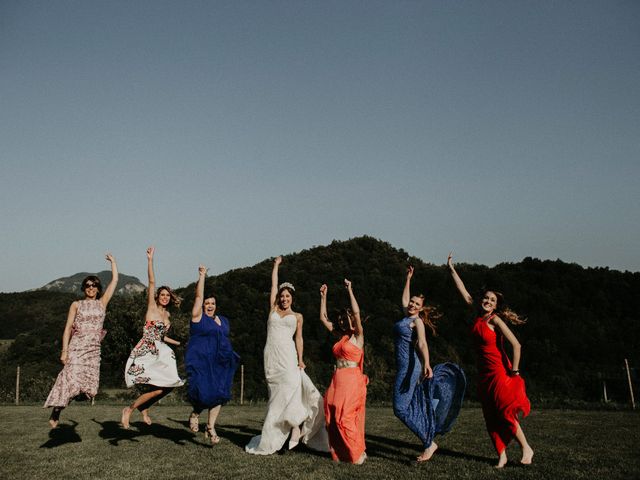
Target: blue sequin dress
[(210, 363), (430, 407)]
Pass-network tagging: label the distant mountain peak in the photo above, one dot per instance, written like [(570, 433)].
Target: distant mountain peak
[(127, 285)]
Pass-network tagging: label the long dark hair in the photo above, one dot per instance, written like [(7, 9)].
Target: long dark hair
[(502, 310)]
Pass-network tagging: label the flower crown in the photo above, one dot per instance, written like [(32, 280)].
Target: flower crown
[(287, 285)]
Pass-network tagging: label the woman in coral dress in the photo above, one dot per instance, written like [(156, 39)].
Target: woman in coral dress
[(344, 401), (81, 345), (427, 400), (501, 389), (295, 408), (210, 360), (152, 364)]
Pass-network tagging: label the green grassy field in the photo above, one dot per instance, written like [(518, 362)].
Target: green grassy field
[(90, 444)]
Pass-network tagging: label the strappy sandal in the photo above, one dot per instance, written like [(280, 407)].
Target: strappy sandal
[(209, 432), (194, 422)]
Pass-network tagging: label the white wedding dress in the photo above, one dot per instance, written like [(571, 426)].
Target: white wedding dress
[(293, 399)]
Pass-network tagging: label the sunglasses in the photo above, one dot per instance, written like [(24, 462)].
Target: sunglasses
[(89, 285)]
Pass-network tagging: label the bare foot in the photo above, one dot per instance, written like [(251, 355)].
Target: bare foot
[(145, 417), (126, 414), (194, 422), (362, 458), (53, 423), (527, 455), (502, 459), (428, 453), (295, 437)]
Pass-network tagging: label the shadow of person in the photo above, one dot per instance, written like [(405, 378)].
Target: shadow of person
[(63, 433), (392, 448), (239, 435), (114, 433)]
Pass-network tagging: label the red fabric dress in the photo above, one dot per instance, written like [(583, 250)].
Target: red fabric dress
[(503, 397), (344, 404)]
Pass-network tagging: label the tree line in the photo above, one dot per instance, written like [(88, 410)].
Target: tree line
[(582, 322)]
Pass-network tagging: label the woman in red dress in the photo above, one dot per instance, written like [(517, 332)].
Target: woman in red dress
[(500, 387), (344, 402)]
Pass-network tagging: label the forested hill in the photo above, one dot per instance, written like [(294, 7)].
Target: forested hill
[(582, 322)]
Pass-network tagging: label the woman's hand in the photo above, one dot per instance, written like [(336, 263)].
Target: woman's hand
[(301, 365), (278, 260), (450, 261), (64, 356), (110, 258), (150, 251), (202, 270), (347, 283), (409, 272), (427, 372), (323, 290)]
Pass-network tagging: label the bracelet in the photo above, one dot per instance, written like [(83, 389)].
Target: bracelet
[(515, 372)]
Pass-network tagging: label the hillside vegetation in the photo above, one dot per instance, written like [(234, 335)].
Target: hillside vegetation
[(582, 322)]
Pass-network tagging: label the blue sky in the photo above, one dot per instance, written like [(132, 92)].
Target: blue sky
[(228, 132)]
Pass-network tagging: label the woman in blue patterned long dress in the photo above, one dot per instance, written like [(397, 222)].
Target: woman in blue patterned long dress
[(152, 363), (426, 400), (81, 340), (210, 360), (295, 408)]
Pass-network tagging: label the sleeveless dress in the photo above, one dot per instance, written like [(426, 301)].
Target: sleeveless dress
[(81, 374), (429, 407), (152, 362), (210, 362), (293, 399), (344, 404), (503, 397)]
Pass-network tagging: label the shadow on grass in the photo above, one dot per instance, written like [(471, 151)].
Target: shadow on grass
[(114, 433), (240, 435), (63, 433), (391, 449)]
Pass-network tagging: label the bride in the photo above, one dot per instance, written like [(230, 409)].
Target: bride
[(295, 408)]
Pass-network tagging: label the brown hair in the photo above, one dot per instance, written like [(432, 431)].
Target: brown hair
[(502, 310), (175, 299), (429, 315), (96, 282)]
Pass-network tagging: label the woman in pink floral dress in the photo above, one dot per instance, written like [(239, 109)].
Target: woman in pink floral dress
[(81, 345)]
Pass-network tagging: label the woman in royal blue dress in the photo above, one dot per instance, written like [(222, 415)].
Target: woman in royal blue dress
[(210, 360), (426, 400)]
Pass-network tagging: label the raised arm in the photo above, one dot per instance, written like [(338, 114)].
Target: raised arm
[(511, 338), (423, 348), (196, 311), (298, 340), (355, 311), (111, 288), (151, 292), (324, 318), (458, 281), (66, 335), (274, 280), (406, 293)]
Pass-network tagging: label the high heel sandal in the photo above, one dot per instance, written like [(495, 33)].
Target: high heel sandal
[(209, 432), (194, 422)]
